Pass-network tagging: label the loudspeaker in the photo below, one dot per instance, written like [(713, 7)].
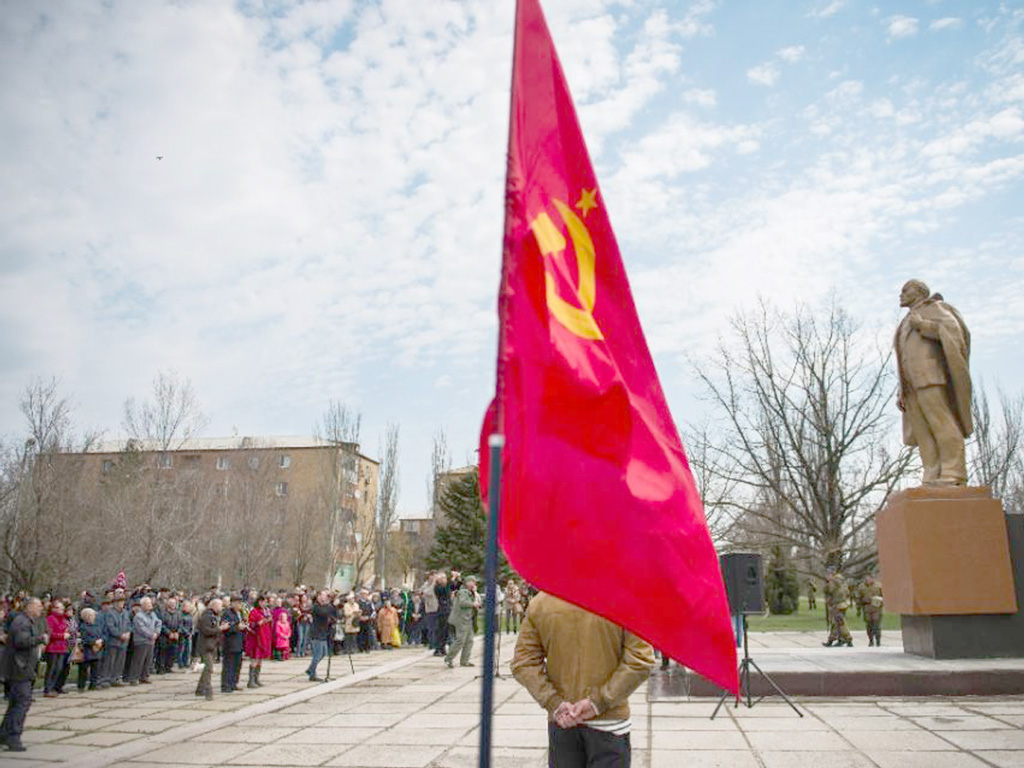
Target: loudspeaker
[(744, 582)]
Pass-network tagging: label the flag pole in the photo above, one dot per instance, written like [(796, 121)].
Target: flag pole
[(495, 443)]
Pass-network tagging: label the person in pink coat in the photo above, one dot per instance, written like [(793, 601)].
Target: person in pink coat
[(259, 638), (282, 634), (56, 649)]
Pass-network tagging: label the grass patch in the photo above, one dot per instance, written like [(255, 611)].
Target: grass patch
[(808, 620)]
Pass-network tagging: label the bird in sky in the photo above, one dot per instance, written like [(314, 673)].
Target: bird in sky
[(159, 157)]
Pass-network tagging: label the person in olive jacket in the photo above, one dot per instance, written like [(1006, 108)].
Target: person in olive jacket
[(210, 628), (20, 659)]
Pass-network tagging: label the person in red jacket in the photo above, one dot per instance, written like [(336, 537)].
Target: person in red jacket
[(56, 649), (259, 638)]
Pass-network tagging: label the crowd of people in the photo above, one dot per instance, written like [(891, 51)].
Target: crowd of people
[(125, 636)]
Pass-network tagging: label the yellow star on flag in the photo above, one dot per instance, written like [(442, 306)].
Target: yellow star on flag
[(587, 202)]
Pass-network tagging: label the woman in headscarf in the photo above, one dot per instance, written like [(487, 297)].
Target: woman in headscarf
[(259, 638), (387, 625)]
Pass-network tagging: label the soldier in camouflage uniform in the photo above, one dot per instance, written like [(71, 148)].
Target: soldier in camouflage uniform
[(837, 601), (812, 592), (871, 603)]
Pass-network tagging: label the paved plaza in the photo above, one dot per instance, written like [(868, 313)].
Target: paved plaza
[(404, 709)]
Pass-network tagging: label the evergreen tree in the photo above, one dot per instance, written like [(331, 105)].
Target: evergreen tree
[(781, 583), (461, 541)]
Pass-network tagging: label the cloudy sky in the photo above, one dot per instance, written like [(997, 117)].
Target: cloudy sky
[(326, 218)]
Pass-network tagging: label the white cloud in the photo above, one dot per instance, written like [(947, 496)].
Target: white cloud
[(702, 97), (791, 54), (899, 27), (950, 22), (827, 10), (764, 74)]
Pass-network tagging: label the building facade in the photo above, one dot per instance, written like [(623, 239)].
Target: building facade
[(256, 511)]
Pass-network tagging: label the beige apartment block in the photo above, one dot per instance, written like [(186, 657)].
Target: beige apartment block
[(278, 510)]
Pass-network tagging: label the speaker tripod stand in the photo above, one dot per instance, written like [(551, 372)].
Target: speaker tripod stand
[(744, 673)]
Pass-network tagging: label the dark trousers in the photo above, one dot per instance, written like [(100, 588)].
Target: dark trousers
[(142, 660), (583, 747), (350, 645), (88, 672), (19, 699), (319, 651), (165, 653), (441, 632), (112, 666), (205, 685), (231, 668), (364, 635), (430, 627), (54, 667)]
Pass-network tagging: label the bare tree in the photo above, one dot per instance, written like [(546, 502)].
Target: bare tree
[(996, 450), (41, 513), (440, 462), (340, 427), (165, 513), (714, 483), (170, 419), (255, 503), (387, 498), (806, 438)]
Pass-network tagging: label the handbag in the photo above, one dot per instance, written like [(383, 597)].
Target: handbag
[(77, 655)]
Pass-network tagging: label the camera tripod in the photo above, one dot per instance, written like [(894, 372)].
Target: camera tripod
[(744, 673)]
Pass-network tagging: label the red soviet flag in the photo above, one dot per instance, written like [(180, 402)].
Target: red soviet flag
[(598, 503)]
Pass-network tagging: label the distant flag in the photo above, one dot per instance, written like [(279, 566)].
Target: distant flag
[(598, 505)]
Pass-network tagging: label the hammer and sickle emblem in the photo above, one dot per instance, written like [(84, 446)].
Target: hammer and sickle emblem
[(576, 319)]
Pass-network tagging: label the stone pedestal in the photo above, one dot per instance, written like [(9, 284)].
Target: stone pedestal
[(945, 557)]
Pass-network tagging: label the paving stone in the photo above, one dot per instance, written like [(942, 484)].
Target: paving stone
[(195, 753), (278, 720), (425, 736), (812, 741), (844, 724), (247, 734), (430, 720), (686, 724), (41, 736), (141, 726), (1004, 759), (708, 759), (978, 740), (101, 738), (699, 740), (358, 720), (784, 725), (963, 722), (335, 735), (815, 760), (930, 759), (289, 754), (897, 741), (465, 757), (50, 752), (388, 756), (78, 724)]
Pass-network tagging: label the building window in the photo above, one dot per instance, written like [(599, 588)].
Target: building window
[(108, 466), (254, 462), (223, 462), (280, 489), (165, 461), (284, 461), (412, 526)]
